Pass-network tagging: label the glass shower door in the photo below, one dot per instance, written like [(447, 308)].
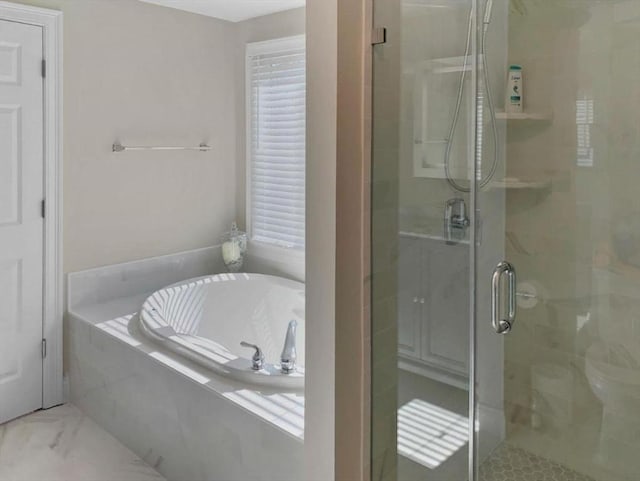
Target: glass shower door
[(423, 88), (557, 395)]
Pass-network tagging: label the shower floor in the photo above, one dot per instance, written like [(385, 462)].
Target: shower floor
[(509, 463), (441, 455)]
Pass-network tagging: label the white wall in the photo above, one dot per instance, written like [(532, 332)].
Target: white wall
[(143, 74), (322, 38), (353, 242)]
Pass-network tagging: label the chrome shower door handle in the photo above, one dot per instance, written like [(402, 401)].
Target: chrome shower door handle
[(503, 326)]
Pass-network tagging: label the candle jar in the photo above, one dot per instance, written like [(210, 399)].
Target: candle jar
[(234, 246)]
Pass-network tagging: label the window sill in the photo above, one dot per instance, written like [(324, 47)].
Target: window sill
[(273, 252), (274, 260)]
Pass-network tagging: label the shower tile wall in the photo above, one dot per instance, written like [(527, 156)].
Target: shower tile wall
[(577, 240), (429, 33)]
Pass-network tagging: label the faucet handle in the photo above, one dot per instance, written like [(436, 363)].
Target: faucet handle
[(289, 355), (257, 361)]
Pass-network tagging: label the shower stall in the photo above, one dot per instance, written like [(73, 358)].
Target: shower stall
[(505, 240)]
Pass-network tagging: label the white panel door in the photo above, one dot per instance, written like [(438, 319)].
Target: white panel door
[(21, 223)]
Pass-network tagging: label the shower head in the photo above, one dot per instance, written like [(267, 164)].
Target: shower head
[(488, 9)]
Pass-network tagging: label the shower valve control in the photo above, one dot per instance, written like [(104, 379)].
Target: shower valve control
[(456, 220)]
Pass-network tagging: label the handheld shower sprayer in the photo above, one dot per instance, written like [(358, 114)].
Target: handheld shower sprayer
[(482, 182), (488, 10)]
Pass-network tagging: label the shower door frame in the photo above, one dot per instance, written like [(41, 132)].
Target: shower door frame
[(473, 255)]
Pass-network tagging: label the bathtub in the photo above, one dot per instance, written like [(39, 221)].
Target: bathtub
[(205, 319)]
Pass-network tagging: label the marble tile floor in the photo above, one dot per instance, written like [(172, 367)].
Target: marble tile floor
[(62, 444)]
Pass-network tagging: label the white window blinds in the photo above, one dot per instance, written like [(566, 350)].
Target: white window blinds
[(276, 89)]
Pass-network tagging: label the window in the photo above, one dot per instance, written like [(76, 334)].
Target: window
[(276, 89), (584, 120)]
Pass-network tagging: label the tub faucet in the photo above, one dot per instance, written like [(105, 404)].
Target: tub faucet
[(257, 361), (288, 356)]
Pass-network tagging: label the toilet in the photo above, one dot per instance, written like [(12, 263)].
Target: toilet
[(613, 372)]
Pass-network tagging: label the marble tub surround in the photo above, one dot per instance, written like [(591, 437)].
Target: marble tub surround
[(62, 444), (145, 276), (103, 284), (283, 409), (177, 416)]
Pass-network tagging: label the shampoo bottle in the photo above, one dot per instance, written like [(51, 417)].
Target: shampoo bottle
[(515, 91)]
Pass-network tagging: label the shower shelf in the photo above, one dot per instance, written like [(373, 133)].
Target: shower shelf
[(531, 116), (511, 183)]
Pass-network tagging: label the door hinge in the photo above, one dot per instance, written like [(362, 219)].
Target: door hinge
[(44, 68), (43, 208), (44, 348), (378, 36)]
